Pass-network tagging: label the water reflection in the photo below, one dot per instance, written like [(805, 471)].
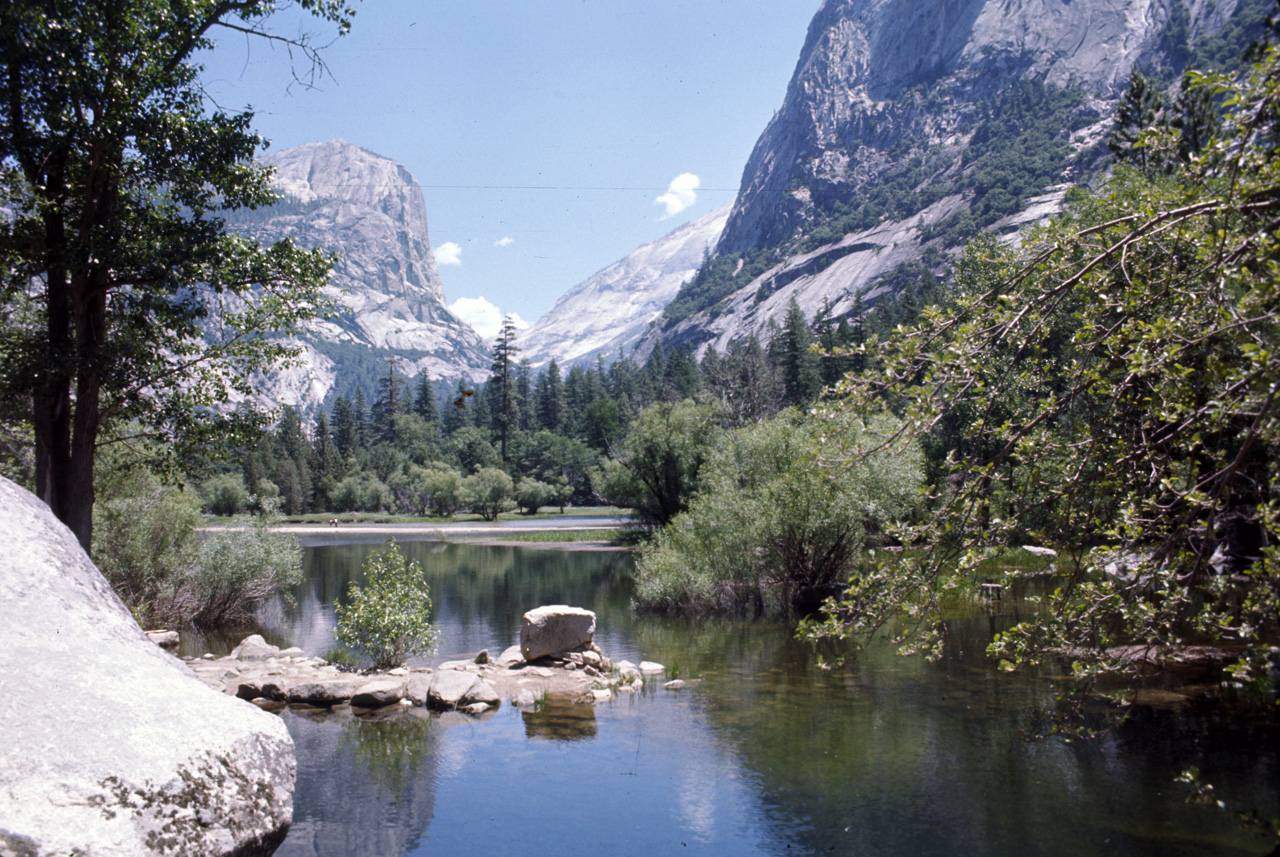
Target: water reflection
[(762, 753)]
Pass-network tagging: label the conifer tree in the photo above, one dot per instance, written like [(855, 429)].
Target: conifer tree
[(424, 402), (389, 404), (502, 379), (801, 377), (551, 403), (1141, 107)]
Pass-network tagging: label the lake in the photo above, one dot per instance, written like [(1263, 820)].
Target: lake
[(763, 753)]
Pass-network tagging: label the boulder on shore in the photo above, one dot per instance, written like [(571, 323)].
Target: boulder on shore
[(554, 629), (140, 757)]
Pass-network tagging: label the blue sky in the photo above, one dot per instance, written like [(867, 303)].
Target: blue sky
[(551, 137)]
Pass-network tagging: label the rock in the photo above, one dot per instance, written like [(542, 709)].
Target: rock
[(418, 688), (525, 699), (377, 693), (326, 692), (601, 695), (510, 656), (141, 759), (398, 671), (675, 684), (553, 629), (292, 652), (254, 648), (166, 639), (1038, 551), (453, 689), (651, 667), (482, 657)]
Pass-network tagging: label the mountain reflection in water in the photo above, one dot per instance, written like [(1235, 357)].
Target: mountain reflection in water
[(762, 752)]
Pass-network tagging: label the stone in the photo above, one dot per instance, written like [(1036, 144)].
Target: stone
[(378, 693), (510, 656), (418, 688), (675, 684), (651, 667), (254, 648), (138, 741), (555, 628), (1039, 551), (167, 639), (525, 699), (453, 689), (482, 657), (326, 692)]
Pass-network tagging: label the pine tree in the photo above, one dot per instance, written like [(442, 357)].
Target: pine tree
[(1141, 107), (424, 402), (551, 403), (389, 404), (801, 377), (360, 420), (506, 417)]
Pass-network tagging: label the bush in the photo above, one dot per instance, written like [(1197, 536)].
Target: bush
[(532, 495), (442, 487), (775, 526), (238, 568), (388, 618), (225, 494), (488, 493), (147, 545)]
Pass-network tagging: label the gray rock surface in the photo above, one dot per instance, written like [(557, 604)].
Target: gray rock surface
[(555, 628), (609, 312), (140, 758), (368, 209), (881, 84)]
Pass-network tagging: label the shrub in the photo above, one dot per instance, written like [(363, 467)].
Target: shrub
[(532, 495), (488, 493), (775, 526), (147, 545), (225, 494), (239, 567), (389, 617)]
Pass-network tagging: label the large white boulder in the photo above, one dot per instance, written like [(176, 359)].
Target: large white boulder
[(555, 628), (135, 756)]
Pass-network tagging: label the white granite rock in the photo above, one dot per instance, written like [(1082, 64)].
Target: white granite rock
[(140, 758)]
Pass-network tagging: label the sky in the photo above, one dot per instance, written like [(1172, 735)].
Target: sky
[(551, 138)]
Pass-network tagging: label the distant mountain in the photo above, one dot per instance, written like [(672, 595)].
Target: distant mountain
[(609, 312), (908, 125), (370, 211)]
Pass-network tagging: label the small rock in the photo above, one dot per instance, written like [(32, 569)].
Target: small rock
[(166, 639), (651, 667), (254, 648), (398, 671), (591, 658), (675, 684), (378, 693), (292, 652), (483, 657), (525, 699), (602, 695), (208, 656), (510, 656)]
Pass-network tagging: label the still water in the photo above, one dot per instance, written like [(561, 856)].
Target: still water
[(764, 753)]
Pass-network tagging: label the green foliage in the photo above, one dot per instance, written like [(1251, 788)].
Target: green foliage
[(389, 617), (782, 510), (488, 493), (147, 545), (238, 568), (225, 494), (126, 299), (1110, 387), (664, 453), (532, 495)]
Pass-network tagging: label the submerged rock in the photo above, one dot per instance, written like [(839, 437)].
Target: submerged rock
[(141, 758)]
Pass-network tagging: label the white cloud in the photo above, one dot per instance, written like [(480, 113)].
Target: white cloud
[(504, 241), (448, 253), (679, 196), (484, 317)]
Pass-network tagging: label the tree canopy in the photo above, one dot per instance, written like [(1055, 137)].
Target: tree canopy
[(1110, 386), (123, 298)]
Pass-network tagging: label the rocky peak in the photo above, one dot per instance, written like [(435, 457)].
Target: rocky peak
[(875, 74)]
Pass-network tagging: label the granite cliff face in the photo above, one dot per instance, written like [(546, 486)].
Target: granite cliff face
[(907, 125), (370, 211), (609, 312)]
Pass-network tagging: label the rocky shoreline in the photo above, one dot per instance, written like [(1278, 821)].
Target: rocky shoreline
[(277, 679)]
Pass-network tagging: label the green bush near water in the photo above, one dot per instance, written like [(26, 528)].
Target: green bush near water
[(389, 618), (782, 510)]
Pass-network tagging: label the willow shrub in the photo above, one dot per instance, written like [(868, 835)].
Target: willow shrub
[(781, 516), (389, 617), (146, 543)]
